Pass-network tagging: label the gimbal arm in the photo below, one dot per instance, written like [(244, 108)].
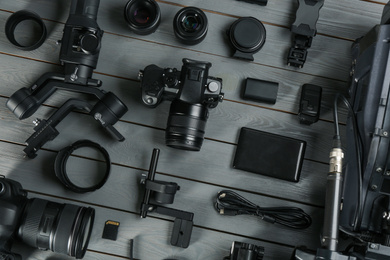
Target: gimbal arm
[(26, 101)]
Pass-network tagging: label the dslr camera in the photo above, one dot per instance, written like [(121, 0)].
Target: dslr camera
[(61, 228), (192, 92)]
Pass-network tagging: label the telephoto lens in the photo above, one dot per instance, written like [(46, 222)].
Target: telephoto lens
[(142, 16), (61, 228), (190, 25)]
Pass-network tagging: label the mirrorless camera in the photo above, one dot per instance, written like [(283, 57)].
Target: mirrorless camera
[(61, 228), (192, 92)]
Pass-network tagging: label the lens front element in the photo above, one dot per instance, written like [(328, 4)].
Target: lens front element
[(190, 25)]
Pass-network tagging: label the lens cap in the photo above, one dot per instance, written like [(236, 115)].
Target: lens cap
[(190, 25), (142, 16), (247, 36)]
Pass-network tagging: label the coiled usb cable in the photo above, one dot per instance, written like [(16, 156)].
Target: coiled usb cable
[(230, 203)]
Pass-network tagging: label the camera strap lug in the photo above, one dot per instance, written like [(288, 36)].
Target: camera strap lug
[(303, 29)]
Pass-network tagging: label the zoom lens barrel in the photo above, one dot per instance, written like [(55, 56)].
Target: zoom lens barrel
[(61, 228), (186, 125), (142, 16), (190, 25)]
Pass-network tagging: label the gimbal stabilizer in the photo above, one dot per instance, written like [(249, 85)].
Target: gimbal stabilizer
[(81, 42)]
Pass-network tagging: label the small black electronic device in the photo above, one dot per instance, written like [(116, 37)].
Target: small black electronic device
[(247, 36), (192, 92), (245, 251), (310, 104), (43, 224), (110, 230), (142, 16), (162, 192), (15, 19), (269, 154), (190, 25), (81, 42), (260, 90)]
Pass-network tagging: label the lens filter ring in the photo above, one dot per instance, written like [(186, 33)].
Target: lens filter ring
[(15, 19), (142, 16), (61, 161), (190, 25), (82, 232)]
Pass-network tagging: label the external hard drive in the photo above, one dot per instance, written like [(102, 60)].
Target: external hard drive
[(269, 154)]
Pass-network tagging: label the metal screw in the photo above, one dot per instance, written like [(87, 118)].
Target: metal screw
[(36, 121), (372, 246), (150, 208), (385, 133), (387, 173), (374, 187), (384, 214), (379, 169)]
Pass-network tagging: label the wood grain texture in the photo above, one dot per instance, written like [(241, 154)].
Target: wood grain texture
[(122, 192), (229, 116), (329, 59), (196, 166), (200, 174)]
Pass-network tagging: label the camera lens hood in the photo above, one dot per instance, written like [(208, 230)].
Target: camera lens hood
[(142, 16), (190, 25), (18, 17), (247, 36)]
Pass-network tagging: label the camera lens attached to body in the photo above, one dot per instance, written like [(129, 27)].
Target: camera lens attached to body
[(186, 125), (190, 25), (192, 92), (61, 228), (142, 16)]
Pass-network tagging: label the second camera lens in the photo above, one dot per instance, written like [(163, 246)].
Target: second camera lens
[(142, 16), (190, 25)]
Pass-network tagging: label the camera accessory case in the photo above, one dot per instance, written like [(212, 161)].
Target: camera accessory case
[(269, 154), (261, 90)]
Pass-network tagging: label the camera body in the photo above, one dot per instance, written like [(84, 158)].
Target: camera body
[(13, 201), (192, 92)]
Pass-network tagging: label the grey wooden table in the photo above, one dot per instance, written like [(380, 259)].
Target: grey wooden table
[(200, 174)]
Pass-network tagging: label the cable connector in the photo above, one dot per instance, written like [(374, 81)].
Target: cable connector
[(228, 212), (336, 160)]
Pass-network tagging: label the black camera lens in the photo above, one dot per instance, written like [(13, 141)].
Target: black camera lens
[(61, 228), (142, 16), (190, 25), (186, 125)]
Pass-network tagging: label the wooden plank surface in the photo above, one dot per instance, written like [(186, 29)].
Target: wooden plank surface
[(200, 174)]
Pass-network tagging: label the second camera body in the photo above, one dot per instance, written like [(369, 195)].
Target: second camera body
[(192, 91)]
